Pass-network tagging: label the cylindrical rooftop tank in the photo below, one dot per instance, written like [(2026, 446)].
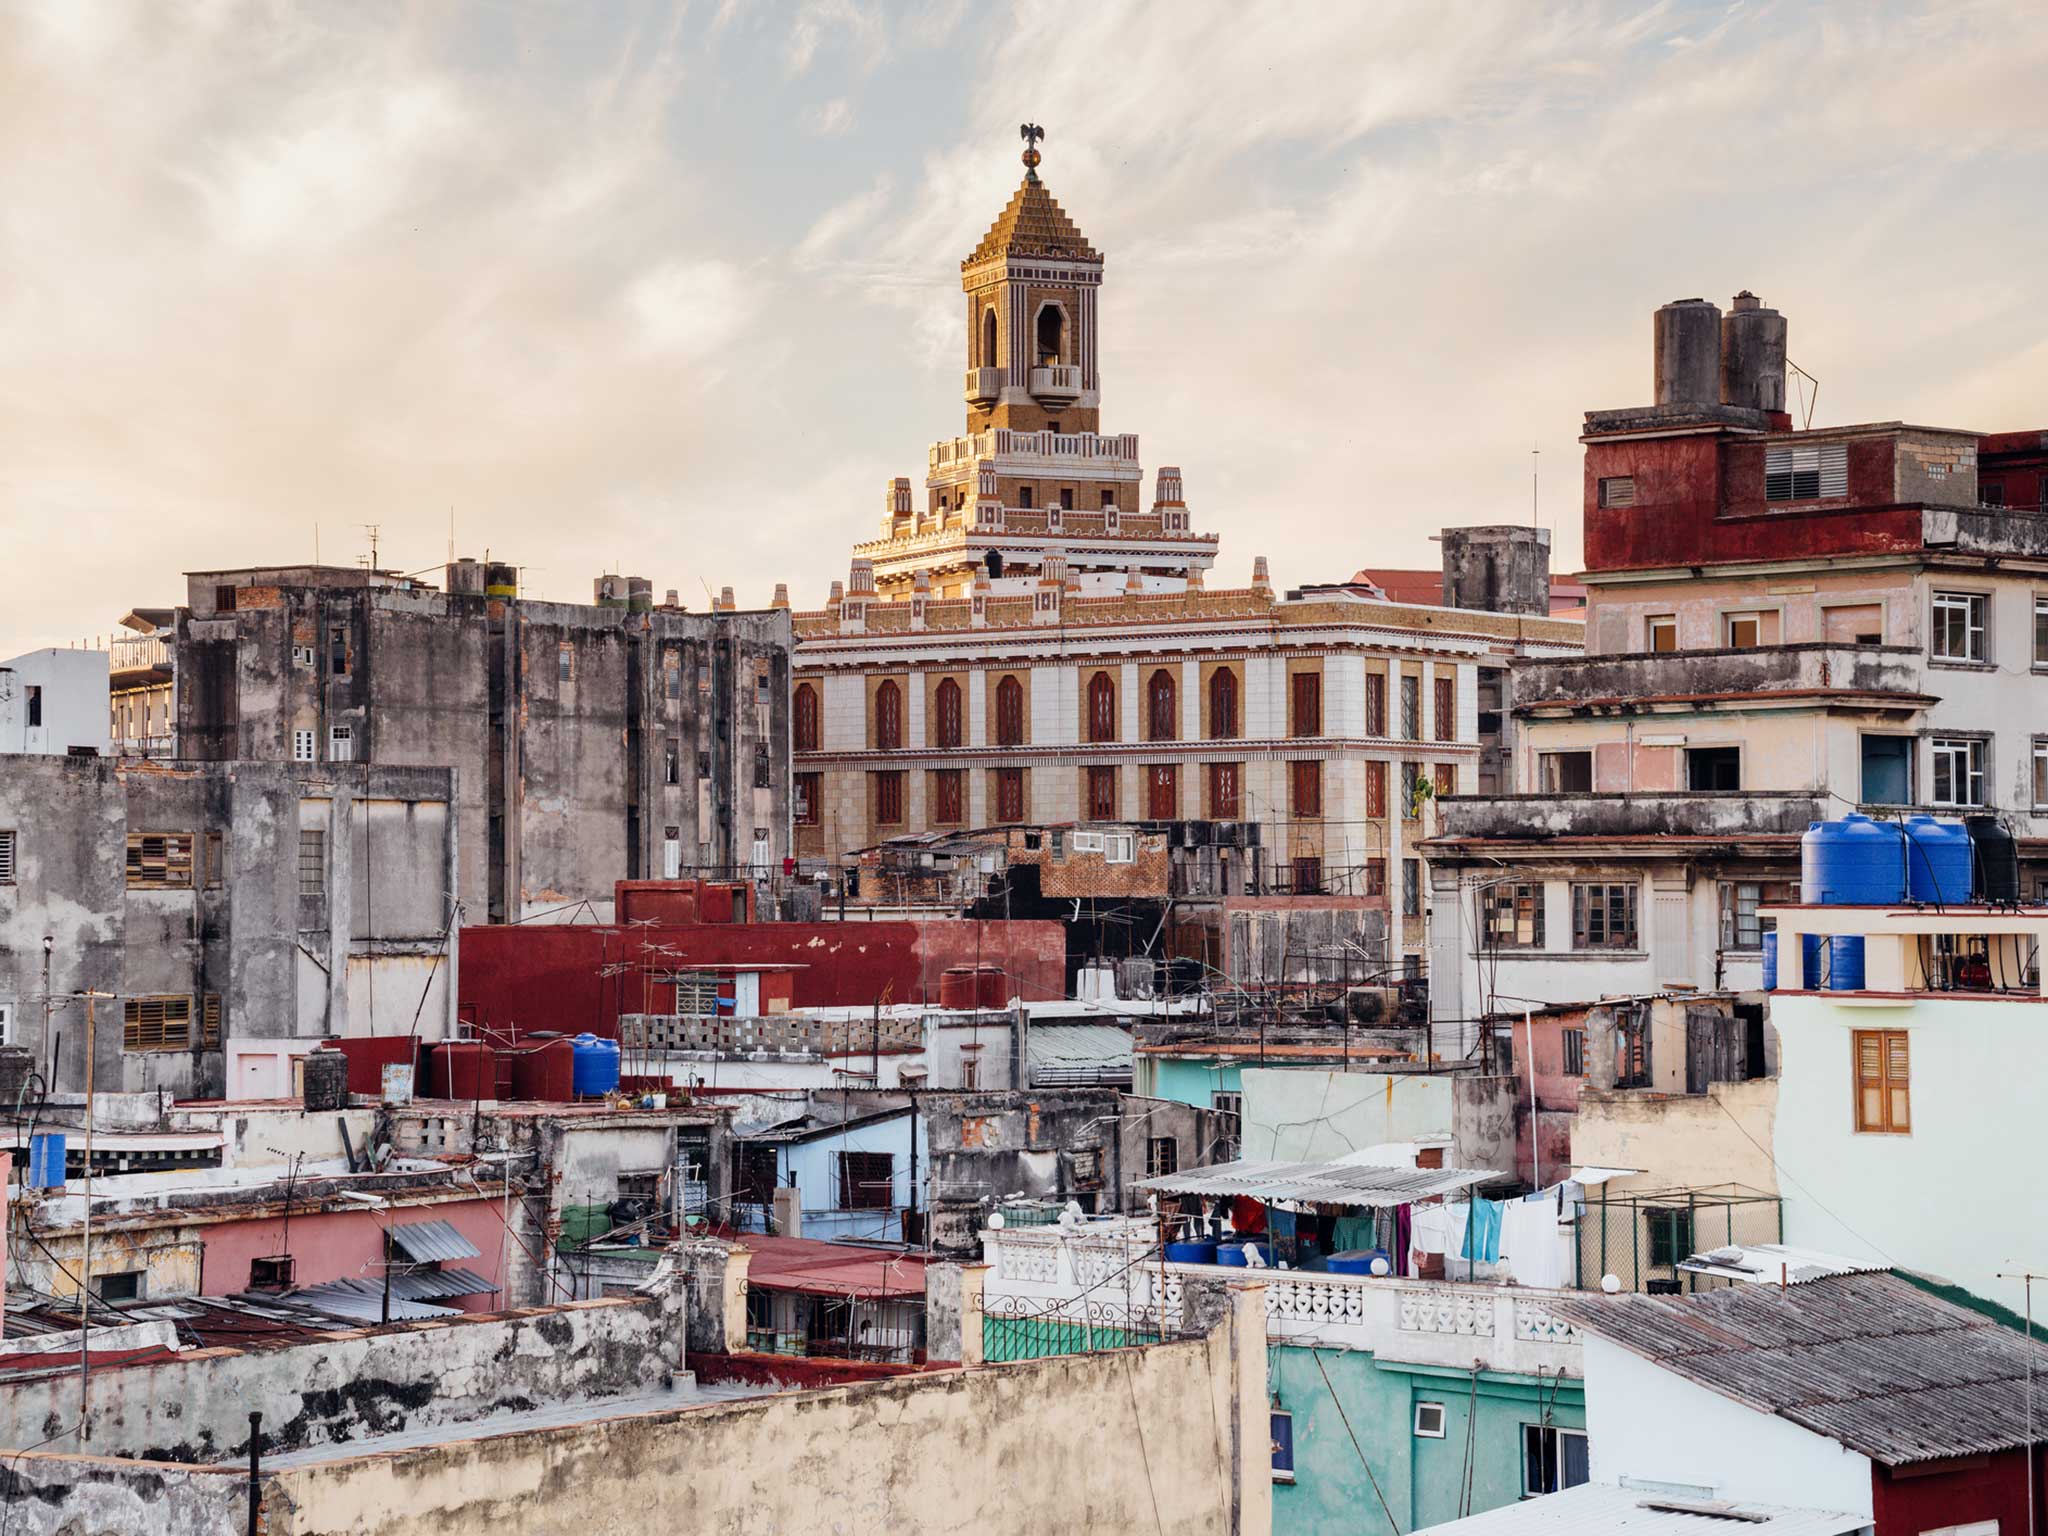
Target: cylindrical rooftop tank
[(1997, 860), (501, 579), (1771, 961), (958, 987), (1752, 355), (1813, 961), (596, 1070), (1688, 353), (1938, 861), (324, 1079), (1854, 862), (1845, 963), (464, 1069)]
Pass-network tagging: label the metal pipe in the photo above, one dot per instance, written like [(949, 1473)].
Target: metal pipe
[(255, 1472)]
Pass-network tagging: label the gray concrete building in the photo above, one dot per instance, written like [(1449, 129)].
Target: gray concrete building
[(592, 743), (219, 919)]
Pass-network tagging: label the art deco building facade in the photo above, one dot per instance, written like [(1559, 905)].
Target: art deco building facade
[(1028, 641)]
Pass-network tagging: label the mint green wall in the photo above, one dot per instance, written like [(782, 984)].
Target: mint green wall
[(1421, 1478), (1192, 1082)]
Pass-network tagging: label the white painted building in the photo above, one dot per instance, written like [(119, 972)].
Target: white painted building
[(54, 702)]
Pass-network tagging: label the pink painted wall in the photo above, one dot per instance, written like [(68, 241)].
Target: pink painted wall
[(1557, 1096), (349, 1245)]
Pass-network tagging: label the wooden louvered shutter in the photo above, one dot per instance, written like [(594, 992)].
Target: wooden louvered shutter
[(1896, 1082)]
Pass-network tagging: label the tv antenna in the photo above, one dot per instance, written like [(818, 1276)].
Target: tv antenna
[(372, 529)]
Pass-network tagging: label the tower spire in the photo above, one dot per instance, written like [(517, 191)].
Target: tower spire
[(1031, 133)]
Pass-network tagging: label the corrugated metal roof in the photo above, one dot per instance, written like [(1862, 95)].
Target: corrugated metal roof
[(1326, 1183), (1078, 1055), (359, 1300), (1871, 1361), (432, 1242), (440, 1284), (1594, 1509), (1775, 1264)]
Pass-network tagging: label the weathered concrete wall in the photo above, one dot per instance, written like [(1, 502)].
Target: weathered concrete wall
[(52, 1494), (1172, 1437), (1679, 1141), (1499, 569), (1304, 939), (986, 1147), (448, 1371)]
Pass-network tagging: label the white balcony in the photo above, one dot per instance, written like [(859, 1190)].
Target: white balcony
[(984, 386), (1057, 385)]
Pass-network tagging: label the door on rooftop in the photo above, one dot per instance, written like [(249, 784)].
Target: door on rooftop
[(1887, 770)]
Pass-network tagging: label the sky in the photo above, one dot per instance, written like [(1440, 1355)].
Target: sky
[(673, 289)]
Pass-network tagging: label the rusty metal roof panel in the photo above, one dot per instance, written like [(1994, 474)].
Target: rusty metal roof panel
[(432, 1242)]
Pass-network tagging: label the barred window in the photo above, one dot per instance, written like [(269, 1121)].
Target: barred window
[(156, 1023), (209, 1019), (7, 856), (1513, 917), (159, 861), (312, 862)]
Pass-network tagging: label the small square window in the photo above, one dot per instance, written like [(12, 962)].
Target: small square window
[(7, 856), (1429, 1420), (1663, 631), (302, 746), (565, 662), (1283, 1446), (1618, 491)]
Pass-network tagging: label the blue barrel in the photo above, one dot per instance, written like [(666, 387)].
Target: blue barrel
[(1771, 961), (1355, 1261), (1854, 862), (1201, 1251), (594, 1069), (1938, 862), (1233, 1253), (46, 1160), (1845, 964), (1813, 961)]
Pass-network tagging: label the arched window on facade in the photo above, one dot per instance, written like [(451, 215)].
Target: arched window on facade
[(888, 716), (1162, 702), (1009, 713), (1102, 707), (803, 724), (1052, 336), (988, 338), (946, 714), (1222, 704)]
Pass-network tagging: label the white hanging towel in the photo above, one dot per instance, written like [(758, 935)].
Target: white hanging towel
[(1535, 1245)]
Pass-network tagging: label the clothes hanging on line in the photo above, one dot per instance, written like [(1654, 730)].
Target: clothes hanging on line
[(1538, 1249), (1482, 1231)]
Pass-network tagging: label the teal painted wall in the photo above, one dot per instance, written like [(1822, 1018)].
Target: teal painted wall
[(1193, 1082), (1421, 1478)]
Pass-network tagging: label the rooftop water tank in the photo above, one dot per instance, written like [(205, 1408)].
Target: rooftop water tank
[(1938, 861), (596, 1068), (1998, 861), (324, 1076), (1854, 862), (1771, 961), (1845, 963)]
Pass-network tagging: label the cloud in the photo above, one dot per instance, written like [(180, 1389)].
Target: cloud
[(829, 119)]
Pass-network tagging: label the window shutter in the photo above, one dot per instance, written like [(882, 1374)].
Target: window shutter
[(1897, 1081), (6, 858)]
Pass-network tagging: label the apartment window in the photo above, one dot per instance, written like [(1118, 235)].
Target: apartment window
[(156, 1023), (35, 704), (1024, 497), (1671, 1237), (888, 799), (1306, 873), (1806, 474), (867, 1181), (672, 675), (1411, 887), (1663, 631), (1280, 1435), (762, 772), (1375, 704), (672, 762), (159, 861), (1446, 708), (1512, 916), (7, 856), (1713, 768), (1429, 1420), (1223, 705), (1990, 493), (1883, 1087), (1957, 633), (1604, 916), (565, 662), (1444, 779), (1618, 491), (1306, 782), (1066, 498), (1887, 770), (312, 862), (946, 799), (1162, 792), (1741, 928), (888, 715), (2041, 616), (341, 744), (1742, 631), (1120, 848), (1162, 1156), (209, 1019), (302, 746), (1102, 707), (1228, 1134), (803, 719), (1411, 791), (1958, 771), (1376, 877), (809, 791), (1162, 707), (1564, 773), (1553, 1459), (1223, 792), (1574, 1053), (1305, 691), (1108, 501), (337, 649), (1411, 709), (946, 714), (1009, 794), (1009, 713), (1101, 794), (1375, 790), (2040, 798)]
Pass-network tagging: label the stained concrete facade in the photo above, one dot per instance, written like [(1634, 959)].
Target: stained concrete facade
[(54, 701), (240, 912), (591, 743)]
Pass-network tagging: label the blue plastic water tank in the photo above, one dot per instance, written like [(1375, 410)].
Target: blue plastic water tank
[(1938, 861), (1845, 963), (1199, 1251), (594, 1070), (1854, 862), (1813, 961), (1771, 961), (46, 1160)]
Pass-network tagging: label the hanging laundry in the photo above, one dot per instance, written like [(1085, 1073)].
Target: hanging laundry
[(1538, 1249), (1482, 1233), (1353, 1233)]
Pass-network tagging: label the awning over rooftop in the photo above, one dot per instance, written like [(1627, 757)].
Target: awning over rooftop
[(1352, 1184), (1593, 1509), (833, 1269), (432, 1242)]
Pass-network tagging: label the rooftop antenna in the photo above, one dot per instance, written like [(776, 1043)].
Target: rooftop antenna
[(1535, 465), (371, 530), (1812, 395), (451, 533)]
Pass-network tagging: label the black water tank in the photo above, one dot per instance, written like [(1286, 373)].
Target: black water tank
[(326, 1080), (1997, 860), (17, 1062)]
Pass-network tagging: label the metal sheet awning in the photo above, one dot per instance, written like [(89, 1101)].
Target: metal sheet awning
[(432, 1242), (1776, 1264), (1355, 1184), (1595, 1509), (440, 1284)]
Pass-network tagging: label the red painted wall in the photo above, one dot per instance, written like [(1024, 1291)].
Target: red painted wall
[(536, 976), (1996, 1489), (349, 1245)]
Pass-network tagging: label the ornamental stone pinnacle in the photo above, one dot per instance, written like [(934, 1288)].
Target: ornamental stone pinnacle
[(1031, 133)]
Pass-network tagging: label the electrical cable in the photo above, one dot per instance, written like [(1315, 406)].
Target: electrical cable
[(1392, 1523)]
